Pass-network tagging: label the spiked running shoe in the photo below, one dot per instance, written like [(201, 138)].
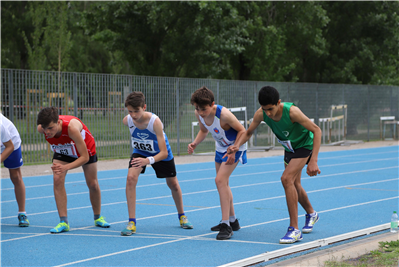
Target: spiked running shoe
[(234, 225), (23, 220), (291, 236), (184, 223), (100, 222), (310, 221), (225, 232), (61, 227), (130, 229)]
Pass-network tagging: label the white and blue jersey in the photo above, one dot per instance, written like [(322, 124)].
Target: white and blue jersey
[(223, 139), (145, 141)]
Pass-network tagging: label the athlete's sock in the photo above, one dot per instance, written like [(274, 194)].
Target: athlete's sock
[(65, 219), (96, 216), (181, 214), (232, 218), (226, 222), (132, 220)]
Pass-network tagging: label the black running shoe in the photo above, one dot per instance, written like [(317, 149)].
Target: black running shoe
[(225, 232), (234, 225)]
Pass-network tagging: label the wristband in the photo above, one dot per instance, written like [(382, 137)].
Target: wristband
[(151, 159)]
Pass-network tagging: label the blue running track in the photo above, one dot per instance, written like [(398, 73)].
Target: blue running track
[(357, 189)]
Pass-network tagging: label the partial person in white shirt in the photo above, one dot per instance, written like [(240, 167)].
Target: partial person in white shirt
[(11, 157)]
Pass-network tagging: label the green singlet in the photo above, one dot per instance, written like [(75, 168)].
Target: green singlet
[(291, 135)]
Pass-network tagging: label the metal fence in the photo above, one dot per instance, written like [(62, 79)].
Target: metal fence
[(98, 100)]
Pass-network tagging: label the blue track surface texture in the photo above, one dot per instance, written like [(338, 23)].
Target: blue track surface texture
[(356, 189)]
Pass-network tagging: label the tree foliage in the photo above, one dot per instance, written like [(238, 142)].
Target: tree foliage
[(323, 42)]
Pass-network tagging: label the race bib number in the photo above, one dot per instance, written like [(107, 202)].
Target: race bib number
[(66, 149), (144, 145), (287, 144)]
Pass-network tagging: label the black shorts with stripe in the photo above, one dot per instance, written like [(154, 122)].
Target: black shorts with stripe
[(163, 169), (299, 153)]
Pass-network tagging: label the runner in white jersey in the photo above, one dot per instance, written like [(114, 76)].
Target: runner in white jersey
[(11, 157), (151, 146), (226, 130)]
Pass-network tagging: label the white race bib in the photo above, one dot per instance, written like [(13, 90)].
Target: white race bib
[(287, 144), (144, 145), (65, 149)]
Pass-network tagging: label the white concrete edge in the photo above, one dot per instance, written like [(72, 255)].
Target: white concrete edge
[(306, 246)]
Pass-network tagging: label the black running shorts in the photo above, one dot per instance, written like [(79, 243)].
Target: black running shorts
[(163, 169)]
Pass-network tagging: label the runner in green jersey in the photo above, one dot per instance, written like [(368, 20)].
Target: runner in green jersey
[(301, 139)]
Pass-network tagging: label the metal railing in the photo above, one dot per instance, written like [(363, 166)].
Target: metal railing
[(98, 100)]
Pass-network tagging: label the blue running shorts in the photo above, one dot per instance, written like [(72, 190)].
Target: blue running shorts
[(240, 155), (14, 161)]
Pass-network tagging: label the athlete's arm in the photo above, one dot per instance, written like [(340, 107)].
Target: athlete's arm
[(296, 115), (258, 117), (125, 120), (8, 150), (200, 136), (74, 129)]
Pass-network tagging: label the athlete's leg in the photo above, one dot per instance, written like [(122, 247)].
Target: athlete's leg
[(19, 187), (302, 195), (174, 186), (223, 173), (59, 190), (288, 179), (131, 183), (90, 172)]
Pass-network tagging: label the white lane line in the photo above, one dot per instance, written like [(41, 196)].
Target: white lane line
[(197, 236), (210, 169)]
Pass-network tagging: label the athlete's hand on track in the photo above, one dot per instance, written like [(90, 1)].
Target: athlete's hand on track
[(191, 148), (312, 169), (139, 162), (58, 168)]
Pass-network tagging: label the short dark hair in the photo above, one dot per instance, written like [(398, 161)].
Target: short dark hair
[(135, 100), (47, 116), (268, 95), (202, 97)]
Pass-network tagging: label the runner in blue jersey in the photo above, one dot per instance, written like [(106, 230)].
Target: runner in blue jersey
[(151, 146), (226, 130)]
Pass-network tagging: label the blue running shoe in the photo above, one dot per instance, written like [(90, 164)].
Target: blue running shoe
[(130, 229), (61, 227), (184, 223), (100, 222), (23, 220), (291, 236), (310, 221)]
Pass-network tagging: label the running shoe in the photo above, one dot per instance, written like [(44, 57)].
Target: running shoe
[(61, 227), (310, 221), (291, 236), (184, 223), (225, 232), (23, 220), (100, 222), (234, 225), (130, 229)]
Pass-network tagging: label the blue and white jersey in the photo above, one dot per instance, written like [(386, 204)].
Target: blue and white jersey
[(223, 138), (145, 141)]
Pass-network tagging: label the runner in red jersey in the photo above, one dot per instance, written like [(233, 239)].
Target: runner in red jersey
[(73, 146)]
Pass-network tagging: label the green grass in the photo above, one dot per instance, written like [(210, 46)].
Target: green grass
[(387, 255)]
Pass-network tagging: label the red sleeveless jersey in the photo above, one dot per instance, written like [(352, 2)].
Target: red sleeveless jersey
[(65, 145)]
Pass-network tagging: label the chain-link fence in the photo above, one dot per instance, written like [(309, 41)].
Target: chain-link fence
[(98, 100)]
